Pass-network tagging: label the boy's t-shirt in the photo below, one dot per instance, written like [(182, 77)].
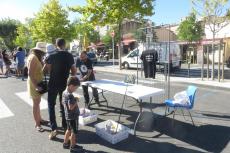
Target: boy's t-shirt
[(68, 98)]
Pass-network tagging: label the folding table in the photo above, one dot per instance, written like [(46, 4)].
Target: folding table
[(135, 91)]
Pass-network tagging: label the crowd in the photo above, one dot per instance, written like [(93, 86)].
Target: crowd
[(53, 60), (18, 56)]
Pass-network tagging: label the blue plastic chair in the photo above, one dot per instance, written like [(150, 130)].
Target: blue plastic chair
[(191, 91)]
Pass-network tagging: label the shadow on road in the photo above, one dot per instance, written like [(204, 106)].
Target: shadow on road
[(212, 138)]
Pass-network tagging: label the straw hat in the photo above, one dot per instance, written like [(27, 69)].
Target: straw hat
[(50, 49), (41, 46)]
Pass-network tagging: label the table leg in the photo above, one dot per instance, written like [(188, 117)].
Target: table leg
[(104, 99), (140, 105)]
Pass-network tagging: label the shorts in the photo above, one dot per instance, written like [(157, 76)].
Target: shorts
[(1, 63), (72, 125), (20, 66)]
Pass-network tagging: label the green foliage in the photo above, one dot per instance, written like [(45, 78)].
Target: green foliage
[(8, 32), (190, 30), (107, 39), (214, 13), (140, 34), (2, 44), (85, 32), (24, 38), (51, 22), (103, 12)]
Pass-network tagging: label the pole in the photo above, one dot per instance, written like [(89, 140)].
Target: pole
[(202, 70), (169, 64), (137, 64), (113, 50), (219, 61), (223, 56)]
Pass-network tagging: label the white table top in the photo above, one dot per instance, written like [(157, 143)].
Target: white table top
[(139, 92)]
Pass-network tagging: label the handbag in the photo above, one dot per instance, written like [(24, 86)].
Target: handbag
[(43, 85)]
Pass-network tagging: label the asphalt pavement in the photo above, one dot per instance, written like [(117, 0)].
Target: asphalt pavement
[(155, 132)]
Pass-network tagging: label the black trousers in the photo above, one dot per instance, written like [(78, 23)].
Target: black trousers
[(52, 96), (86, 94)]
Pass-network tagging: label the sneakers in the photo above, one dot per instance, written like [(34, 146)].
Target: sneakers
[(53, 134), (76, 148), (66, 145)]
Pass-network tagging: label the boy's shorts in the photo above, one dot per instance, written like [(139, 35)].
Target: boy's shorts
[(72, 125)]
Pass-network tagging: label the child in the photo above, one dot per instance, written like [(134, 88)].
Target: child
[(71, 114)]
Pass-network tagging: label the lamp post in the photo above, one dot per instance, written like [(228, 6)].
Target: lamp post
[(112, 35)]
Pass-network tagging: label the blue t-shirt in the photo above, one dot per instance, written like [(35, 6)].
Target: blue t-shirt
[(20, 57)]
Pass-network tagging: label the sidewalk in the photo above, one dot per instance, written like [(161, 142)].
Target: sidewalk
[(115, 69)]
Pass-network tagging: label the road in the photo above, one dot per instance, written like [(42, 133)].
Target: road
[(155, 133)]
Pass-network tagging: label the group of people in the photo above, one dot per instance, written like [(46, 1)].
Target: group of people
[(18, 56), (62, 69)]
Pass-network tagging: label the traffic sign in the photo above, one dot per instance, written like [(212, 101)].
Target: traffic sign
[(112, 34)]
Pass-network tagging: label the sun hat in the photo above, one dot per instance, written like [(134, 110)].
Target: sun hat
[(41, 46), (50, 49)]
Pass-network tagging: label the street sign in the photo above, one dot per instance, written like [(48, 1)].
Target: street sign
[(112, 34)]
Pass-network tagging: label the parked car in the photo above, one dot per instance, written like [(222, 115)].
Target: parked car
[(133, 57)]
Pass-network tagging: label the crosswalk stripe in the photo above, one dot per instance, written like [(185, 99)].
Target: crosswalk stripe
[(25, 97), (4, 110)]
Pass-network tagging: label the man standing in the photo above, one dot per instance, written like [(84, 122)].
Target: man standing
[(86, 69), (20, 60), (59, 65)]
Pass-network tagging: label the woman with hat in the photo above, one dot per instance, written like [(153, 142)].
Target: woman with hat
[(35, 75)]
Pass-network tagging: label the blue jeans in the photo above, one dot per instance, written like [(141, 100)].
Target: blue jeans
[(52, 96)]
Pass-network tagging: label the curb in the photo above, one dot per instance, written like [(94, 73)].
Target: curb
[(173, 81)]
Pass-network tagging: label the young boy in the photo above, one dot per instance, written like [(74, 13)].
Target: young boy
[(71, 115)]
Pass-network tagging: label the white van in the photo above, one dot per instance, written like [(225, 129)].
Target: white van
[(133, 57)]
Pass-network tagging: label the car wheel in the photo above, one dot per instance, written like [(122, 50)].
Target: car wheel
[(126, 65)]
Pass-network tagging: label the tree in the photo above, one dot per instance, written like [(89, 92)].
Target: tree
[(107, 39), (51, 22), (214, 13), (103, 12), (24, 38), (190, 30), (140, 34), (85, 33), (8, 32), (2, 44)]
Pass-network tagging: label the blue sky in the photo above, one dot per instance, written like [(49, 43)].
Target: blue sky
[(166, 11)]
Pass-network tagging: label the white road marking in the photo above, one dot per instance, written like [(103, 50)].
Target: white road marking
[(25, 97), (4, 110)]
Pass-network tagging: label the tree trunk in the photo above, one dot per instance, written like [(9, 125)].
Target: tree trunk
[(202, 67), (219, 62), (223, 62), (213, 54), (207, 62), (119, 45)]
